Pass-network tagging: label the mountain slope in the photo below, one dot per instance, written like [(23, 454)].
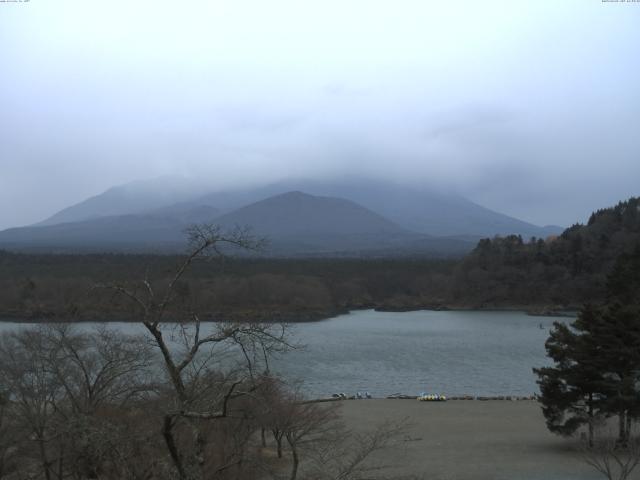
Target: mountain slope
[(295, 223), (422, 209), (297, 213), (161, 229), (131, 198), (105, 233), (416, 208)]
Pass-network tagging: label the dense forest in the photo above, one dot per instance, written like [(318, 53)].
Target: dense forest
[(504, 272), (51, 286), (563, 271)]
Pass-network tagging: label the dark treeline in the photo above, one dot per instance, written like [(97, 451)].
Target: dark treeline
[(503, 272), (567, 270), (60, 286)]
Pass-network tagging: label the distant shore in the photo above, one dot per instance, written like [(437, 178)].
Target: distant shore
[(302, 316)]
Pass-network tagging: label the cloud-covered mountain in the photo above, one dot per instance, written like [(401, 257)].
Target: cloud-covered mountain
[(160, 230), (414, 208), (294, 223), (297, 213), (131, 198), (346, 216), (299, 223), (421, 208)]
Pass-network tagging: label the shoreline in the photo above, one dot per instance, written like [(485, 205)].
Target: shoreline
[(454, 398), (295, 317)]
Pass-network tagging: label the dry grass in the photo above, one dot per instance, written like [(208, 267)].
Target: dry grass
[(460, 440)]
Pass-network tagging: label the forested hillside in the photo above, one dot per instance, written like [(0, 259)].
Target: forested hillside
[(564, 270)]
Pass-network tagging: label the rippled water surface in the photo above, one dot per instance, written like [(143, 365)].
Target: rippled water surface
[(450, 352)]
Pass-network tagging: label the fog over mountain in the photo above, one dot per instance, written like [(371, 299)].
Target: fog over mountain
[(421, 209), (133, 197), (293, 224), (345, 217), (526, 108)]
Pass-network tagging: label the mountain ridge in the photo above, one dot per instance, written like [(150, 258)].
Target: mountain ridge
[(296, 223), (422, 210), (133, 197)]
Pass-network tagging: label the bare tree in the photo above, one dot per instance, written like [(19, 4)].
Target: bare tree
[(60, 385), (317, 442), (33, 391), (5, 433), (349, 455), (204, 376), (97, 368), (309, 427), (187, 400), (102, 373), (609, 457)]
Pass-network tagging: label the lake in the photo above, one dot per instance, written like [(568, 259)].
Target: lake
[(447, 352)]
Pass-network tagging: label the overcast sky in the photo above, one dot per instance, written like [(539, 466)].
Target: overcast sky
[(531, 108)]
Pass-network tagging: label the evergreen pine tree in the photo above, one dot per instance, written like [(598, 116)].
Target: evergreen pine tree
[(596, 370), (570, 391)]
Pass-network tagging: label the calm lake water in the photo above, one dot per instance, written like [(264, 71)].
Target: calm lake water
[(448, 352)]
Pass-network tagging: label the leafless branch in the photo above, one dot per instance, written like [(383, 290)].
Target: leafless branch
[(611, 459)]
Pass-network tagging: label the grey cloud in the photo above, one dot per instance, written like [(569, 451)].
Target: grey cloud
[(464, 119), (529, 108)]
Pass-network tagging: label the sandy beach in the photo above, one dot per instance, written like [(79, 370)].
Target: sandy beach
[(471, 439)]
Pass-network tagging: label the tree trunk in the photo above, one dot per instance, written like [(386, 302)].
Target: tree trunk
[(174, 373), (43, 458), (199, 442), (591, 420), (167, 433), (296, 460), (278, 438), (623, 434), (263, 437), (60, 462)]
